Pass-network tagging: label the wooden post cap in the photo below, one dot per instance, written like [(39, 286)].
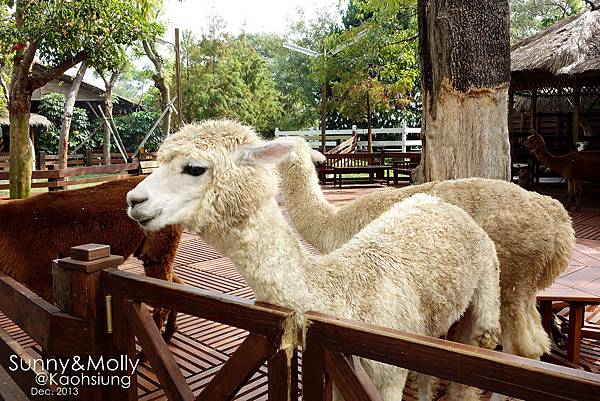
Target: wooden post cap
[(89, 252)]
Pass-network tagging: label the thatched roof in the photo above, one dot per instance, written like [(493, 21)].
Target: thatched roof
[(34, 120), (567, 51)]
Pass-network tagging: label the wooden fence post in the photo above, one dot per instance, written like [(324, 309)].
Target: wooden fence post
[(88, 157), (77, 290), (41, 160)]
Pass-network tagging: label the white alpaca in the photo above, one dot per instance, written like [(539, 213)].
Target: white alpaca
[(533, 234), (219, 179)]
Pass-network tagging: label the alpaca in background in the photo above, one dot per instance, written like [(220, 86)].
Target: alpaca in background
[(575, 167)]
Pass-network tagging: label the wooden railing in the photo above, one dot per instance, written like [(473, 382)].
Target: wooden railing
[(100, 311), (60, 179), (271, 338), (332, 345), (71, 327)]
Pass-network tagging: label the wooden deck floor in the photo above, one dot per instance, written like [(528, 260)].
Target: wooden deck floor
[(201, 347)]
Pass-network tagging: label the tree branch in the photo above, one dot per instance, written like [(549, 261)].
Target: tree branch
[(4, 88), (593, 4), (39, 80), (153, 55)]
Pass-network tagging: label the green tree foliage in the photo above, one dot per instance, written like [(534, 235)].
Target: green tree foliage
[(52, 107), (530, 16), (376, 73), (61, 34), (225, 77), (133, 128)]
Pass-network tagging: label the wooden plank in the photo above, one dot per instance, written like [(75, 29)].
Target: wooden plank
[(69, 335), (576, 313), (283, 376), (164, 366), (350, 378), (502, 373), (221, 308), (25, 379), (316, 384), (238, 369), (27, 309), (81, 181), (116, 168)]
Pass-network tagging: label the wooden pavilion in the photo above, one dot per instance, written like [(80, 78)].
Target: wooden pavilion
[(555, 86)]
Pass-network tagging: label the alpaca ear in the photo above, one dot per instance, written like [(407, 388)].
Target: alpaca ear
[(317, 157), (267, 152)]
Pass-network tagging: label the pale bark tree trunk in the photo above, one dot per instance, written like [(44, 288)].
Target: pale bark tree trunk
[(465, 58), (63, 147), (160, 84), (369, 123), (108, 110), (23, 83)]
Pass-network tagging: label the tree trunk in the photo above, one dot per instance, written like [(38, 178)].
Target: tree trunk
[(161, 85), (63, 143), (465, 57), (108, 109), (20, 154), (369, 124)]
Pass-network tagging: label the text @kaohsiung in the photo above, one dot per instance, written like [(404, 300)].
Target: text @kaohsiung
[(63, 376)]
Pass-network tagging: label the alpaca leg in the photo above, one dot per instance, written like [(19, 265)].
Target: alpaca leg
[(157, 254), (578, 190), (569, 194), (171, 326), (425, 385), (480, 326), (389, 380), (522, 332)]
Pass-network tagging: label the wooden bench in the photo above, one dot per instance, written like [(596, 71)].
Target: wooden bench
[(565, 290), (402, 164), (339, 165)]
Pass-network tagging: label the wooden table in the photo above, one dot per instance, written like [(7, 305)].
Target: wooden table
[(579, 287), (372, 169)]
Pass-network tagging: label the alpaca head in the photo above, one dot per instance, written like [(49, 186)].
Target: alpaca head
[(303, 157), (212, 173), (534, 142)]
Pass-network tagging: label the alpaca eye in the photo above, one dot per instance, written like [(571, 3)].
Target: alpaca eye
[(194, 170)]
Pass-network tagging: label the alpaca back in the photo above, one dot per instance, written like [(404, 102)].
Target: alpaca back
[(423, 257), (44, 227)]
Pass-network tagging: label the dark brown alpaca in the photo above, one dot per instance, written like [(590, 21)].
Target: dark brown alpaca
[(575, 167), (36, 230)]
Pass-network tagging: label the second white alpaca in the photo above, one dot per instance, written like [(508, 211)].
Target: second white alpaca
[(219, 179)]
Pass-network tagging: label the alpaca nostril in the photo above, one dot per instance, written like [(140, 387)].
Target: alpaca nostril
[(133, 201)]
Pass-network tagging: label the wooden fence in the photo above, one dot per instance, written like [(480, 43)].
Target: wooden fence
[(332, 345), (99, 311), (409, 137), (60, 179)]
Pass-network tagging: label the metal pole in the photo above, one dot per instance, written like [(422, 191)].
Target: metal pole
[(113, 133), (153, 127), (323, 116), (178, 78)]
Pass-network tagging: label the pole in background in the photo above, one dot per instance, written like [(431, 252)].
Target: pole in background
[(178, 78)]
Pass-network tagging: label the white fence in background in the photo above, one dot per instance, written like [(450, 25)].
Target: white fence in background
[(313, 137)]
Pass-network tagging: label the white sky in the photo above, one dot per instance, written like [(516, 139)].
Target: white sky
[(255, 16)]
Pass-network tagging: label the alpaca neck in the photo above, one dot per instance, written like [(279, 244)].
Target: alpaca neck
[(548, 159), (268, 255), (305, 201)]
